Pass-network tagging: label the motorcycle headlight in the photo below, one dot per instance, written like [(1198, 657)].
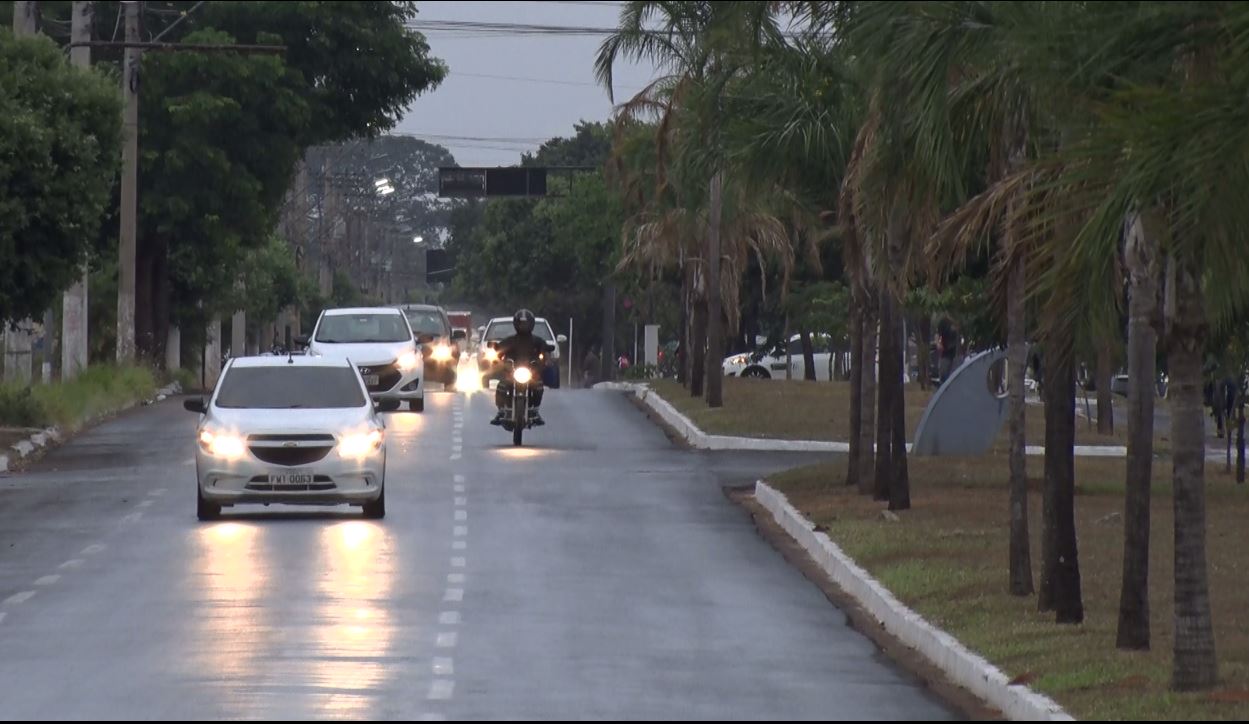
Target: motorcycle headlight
[(223, 445), (441, 353), (522, 375), (359, 444), (408, 361)]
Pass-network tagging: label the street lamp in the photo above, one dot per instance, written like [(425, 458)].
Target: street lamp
[(418, 240), (382, 187)]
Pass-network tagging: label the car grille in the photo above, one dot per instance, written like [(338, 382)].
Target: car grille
[(387, 376), (318, 437), (290, 456)]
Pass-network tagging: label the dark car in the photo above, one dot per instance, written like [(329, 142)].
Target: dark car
[(442, 355)]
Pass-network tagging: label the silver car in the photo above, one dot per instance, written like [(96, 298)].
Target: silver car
[(293, 430)]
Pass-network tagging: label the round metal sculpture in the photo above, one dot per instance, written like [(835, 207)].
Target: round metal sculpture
[(966, 414)]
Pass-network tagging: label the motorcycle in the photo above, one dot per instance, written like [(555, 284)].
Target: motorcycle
[(519, 420)]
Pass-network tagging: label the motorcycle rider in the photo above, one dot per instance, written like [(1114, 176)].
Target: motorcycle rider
[(523, 348)]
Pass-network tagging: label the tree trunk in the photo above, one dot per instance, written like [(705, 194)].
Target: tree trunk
[(885, 389), (161, 293), (684, 328), (144, 291), (808, 356), (715, 317), (698, 349), (1105, 403), (1017, 360), (1240, 433), (923, 353), (609, 331), (1194, 664), (856, 394), (1062, 562), (867, 416), (1141, 256), (899, 479)]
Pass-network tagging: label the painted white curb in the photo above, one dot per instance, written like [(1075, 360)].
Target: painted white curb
[(962, 666)]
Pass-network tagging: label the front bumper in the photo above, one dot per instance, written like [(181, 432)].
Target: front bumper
[(335, 480)]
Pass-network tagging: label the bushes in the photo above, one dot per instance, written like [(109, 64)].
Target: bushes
[(96, 392)]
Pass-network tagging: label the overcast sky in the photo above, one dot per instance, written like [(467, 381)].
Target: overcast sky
[(516, 90)]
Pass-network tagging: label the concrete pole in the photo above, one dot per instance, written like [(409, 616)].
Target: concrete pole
[(129, 189), (173, 349), (74, 338)]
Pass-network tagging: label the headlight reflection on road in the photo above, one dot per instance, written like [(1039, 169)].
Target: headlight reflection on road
[(354, 632), (468, 378)]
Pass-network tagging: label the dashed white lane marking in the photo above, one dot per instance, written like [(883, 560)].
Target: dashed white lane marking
[(433, 717), (458, 562), (48, 580), (17, 598), (456, 456), (2, 615), (144, 503), (447, 640), (459, 488), (441, 689), (188, 462), (461, 500), (157, 492), (71, 563), (93, 549), (456, 578), (132, 518), (461, 530), (453, 594), (444, 667), (460, 479), (461, 515), (459, 545), (449, 618), (457, 449)]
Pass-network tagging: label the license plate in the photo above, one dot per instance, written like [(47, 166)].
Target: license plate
[(372, 380), (290, 478)]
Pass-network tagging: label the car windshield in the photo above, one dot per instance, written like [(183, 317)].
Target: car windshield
[(426, 321), (502, 330), (362, 328), (288, 387)]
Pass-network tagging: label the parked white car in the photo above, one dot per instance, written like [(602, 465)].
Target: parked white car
[(772, 364), (379, 341), (292, 430)]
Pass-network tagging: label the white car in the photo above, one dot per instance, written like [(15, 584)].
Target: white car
[(293, 430), (772, 363), (380, 342), (501, 328)]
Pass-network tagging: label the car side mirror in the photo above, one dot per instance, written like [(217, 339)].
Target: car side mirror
[(562, 339), (195, 404), (302, 340), (458, 335)]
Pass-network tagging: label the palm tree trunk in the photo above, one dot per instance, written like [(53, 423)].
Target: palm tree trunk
[(1105, 404), (884, 400), (808, 356), (698, 348), (715, 317), (1141, 255), (683, 351), (922, 352), (899, 479), (1194, 665), (1017, 358), (856, 394), (1062, 564), (867, 432)]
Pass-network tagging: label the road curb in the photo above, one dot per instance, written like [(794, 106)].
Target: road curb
[(961, 665), (51, 435)]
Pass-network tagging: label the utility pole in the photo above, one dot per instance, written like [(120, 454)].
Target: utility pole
[(25, 17), (18, 344), (74, 306), (129, 187)]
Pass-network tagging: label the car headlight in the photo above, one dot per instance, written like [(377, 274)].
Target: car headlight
[(522, 375), (491, 354), (359, 444), (740, 359), (408, 361), (222, 444), (441, 352)]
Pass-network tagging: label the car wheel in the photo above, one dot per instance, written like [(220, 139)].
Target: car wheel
[(388, 405), (204, 510), (417, 405), (376, 509), (756, 373)]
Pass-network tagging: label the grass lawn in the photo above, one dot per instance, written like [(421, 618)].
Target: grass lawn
[(801, 410), (947, 559)]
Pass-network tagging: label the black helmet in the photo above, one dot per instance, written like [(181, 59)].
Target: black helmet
[(523, 321)]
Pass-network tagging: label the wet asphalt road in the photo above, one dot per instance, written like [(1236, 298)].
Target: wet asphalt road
[(599, 572)]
